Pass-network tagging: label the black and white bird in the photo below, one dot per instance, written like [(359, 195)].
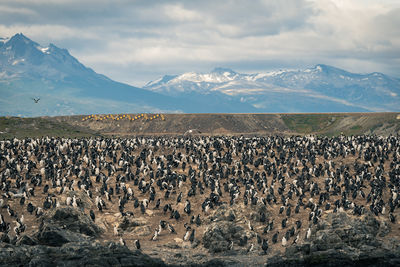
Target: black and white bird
[(155, 236), (171, 229), (264, 245), (191, 237), (137, 243), (187, 234), (308, 234), (92, 215)]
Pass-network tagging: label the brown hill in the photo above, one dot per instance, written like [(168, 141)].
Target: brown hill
[(329, 124)]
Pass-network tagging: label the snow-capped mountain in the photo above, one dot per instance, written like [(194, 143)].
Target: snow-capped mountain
[(65, 87), (319, 89)]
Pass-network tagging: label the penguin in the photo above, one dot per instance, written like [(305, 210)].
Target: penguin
[(187, 234), (137, 244), (22, 201), (191, 237), (30, 208), (155, 236), (259, 239), (392, 218), (308, 234), (171, 229), (68, 201), (264, 246), (296, 240), (275, 238), (250, 226), (250, 248), (92, 215), (187, 207), (198, 220), (284, 241)]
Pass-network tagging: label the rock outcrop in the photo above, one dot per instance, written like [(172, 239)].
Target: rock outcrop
[(223, 230), (340, 240), (138, 226), (67, 237), (74, 254)]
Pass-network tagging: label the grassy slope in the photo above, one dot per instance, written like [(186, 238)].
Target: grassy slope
[(11, 127), (346, 123)]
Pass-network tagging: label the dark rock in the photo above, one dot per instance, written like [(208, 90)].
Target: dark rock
[(5, 238), (223, 230), (65, 238), (55, 236), (72, 219), (128, 223), (223, 213), (339, 239), (218, 262), (26, 240), (218, 236), (384, 230), (74, 254)]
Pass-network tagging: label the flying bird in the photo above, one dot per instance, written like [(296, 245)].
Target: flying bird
[(36, 99)]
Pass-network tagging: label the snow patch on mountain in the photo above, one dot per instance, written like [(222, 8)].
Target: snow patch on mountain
[(373, 92)]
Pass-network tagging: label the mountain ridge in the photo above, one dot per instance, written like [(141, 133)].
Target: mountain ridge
[(67, 87), (335, 85)]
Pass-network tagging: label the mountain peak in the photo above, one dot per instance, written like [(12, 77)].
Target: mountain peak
[(20, 38), (323, 67), (329, 69), (221, 70)]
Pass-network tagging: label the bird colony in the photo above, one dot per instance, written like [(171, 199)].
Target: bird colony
[(279, 187), (129, 117)]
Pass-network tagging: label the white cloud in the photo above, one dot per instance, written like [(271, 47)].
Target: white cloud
[(179, 13), (139, 40), (13, 10)]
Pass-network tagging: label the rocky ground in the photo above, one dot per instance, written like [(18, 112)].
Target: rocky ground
[(67, 237)]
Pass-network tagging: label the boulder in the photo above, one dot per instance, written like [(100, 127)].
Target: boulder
[(26, 240), (223, 230), (72, 219), (55, 236), (137, 226), (128, 223), (223, 213)]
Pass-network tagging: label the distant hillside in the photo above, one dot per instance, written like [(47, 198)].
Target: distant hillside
[(206, 124)]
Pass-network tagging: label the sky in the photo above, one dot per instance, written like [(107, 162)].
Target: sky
[(139, 41)]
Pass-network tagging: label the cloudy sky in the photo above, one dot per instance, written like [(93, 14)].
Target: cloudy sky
[(138, 41)]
